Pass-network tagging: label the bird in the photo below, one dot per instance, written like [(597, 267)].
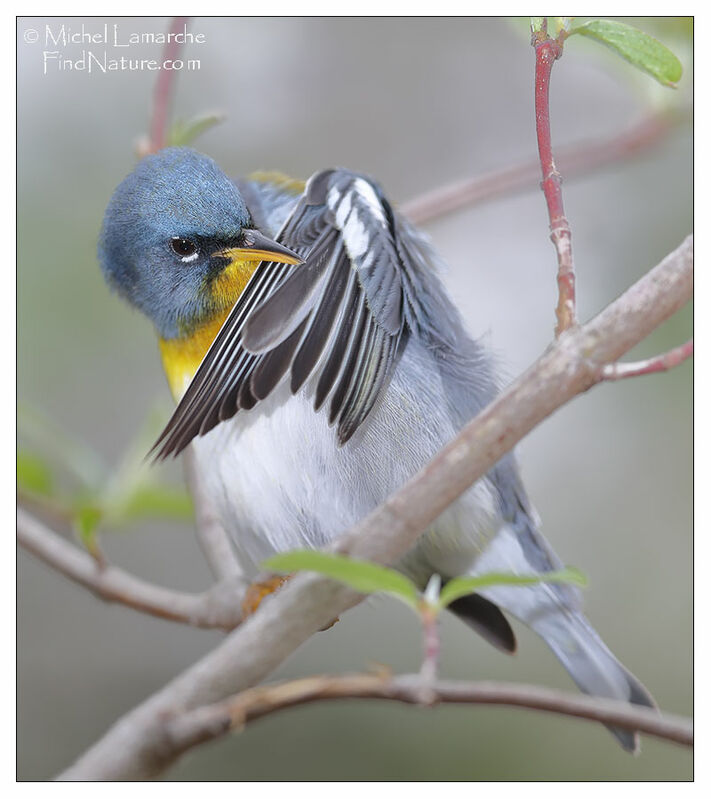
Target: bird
[(318, 362)]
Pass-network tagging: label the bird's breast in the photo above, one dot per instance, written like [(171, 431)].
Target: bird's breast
[(182, 356), (278, 479)]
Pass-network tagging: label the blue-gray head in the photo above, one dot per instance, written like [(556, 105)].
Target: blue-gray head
[(170, 230)]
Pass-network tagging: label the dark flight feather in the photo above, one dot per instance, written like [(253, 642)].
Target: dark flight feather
[(340, 316)]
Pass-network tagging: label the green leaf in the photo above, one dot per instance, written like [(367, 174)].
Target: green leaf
[(33, 474), (132, 491), (461, 586), (157, 501), (365, 577), (561, 24), (184, 133), (635, 46), (538, 24), (86, 523)]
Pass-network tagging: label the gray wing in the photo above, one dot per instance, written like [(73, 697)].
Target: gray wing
[(341, 316)]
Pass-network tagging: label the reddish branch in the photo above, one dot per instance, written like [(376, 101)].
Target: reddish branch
[(547, 51), (165, 86), (212, 721), (660, 363), (430, 661), (582, 157)]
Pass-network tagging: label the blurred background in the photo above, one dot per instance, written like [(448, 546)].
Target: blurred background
[(416, 103)]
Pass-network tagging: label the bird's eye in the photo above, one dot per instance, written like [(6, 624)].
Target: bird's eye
[(185, 248)]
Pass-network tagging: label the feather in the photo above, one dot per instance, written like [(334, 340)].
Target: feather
[(350, 363), (272, 366), (486, 618), (285, 309), (337, 355), (341, 315), (322, 322)]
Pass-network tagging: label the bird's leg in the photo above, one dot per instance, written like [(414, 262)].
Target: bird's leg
[(263, 587)]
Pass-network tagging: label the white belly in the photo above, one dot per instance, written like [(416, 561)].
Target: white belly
[(279, 481)]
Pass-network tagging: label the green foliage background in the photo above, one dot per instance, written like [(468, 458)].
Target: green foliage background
[(415, 103)]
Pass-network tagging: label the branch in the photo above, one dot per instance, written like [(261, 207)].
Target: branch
[(580, 158), (134, 746), (547, 52), (660, 363), (212, 536), (208, 723), (165, 85), (217, 608)]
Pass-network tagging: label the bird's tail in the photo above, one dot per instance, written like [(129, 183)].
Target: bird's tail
[(554, 612), (592, 666)]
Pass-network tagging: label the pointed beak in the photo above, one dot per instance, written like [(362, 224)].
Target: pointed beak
[(257, 247)]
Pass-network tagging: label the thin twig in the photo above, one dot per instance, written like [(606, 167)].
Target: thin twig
[(660, 363), (428, 607), (212, 537), (165, 85), (134, 747), (430, 659), (217, 608), (547, 51), (579, 158), (213, 721)]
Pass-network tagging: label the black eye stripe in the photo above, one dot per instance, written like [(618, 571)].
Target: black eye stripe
[(183, 247)]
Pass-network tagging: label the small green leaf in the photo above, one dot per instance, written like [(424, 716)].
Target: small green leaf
[(538, 24), (157, 500), (561, 24), (432, 590), (365, 577), (132, 491), (635, 46), (461, 586), (86, 523), (33, 474), (183, 133)]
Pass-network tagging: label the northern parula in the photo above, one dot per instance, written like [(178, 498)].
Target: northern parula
[(318, 363)]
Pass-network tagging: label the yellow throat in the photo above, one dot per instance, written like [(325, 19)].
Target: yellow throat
[(181, 356)]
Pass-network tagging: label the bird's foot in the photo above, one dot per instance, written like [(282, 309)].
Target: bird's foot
[(258, 590)]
